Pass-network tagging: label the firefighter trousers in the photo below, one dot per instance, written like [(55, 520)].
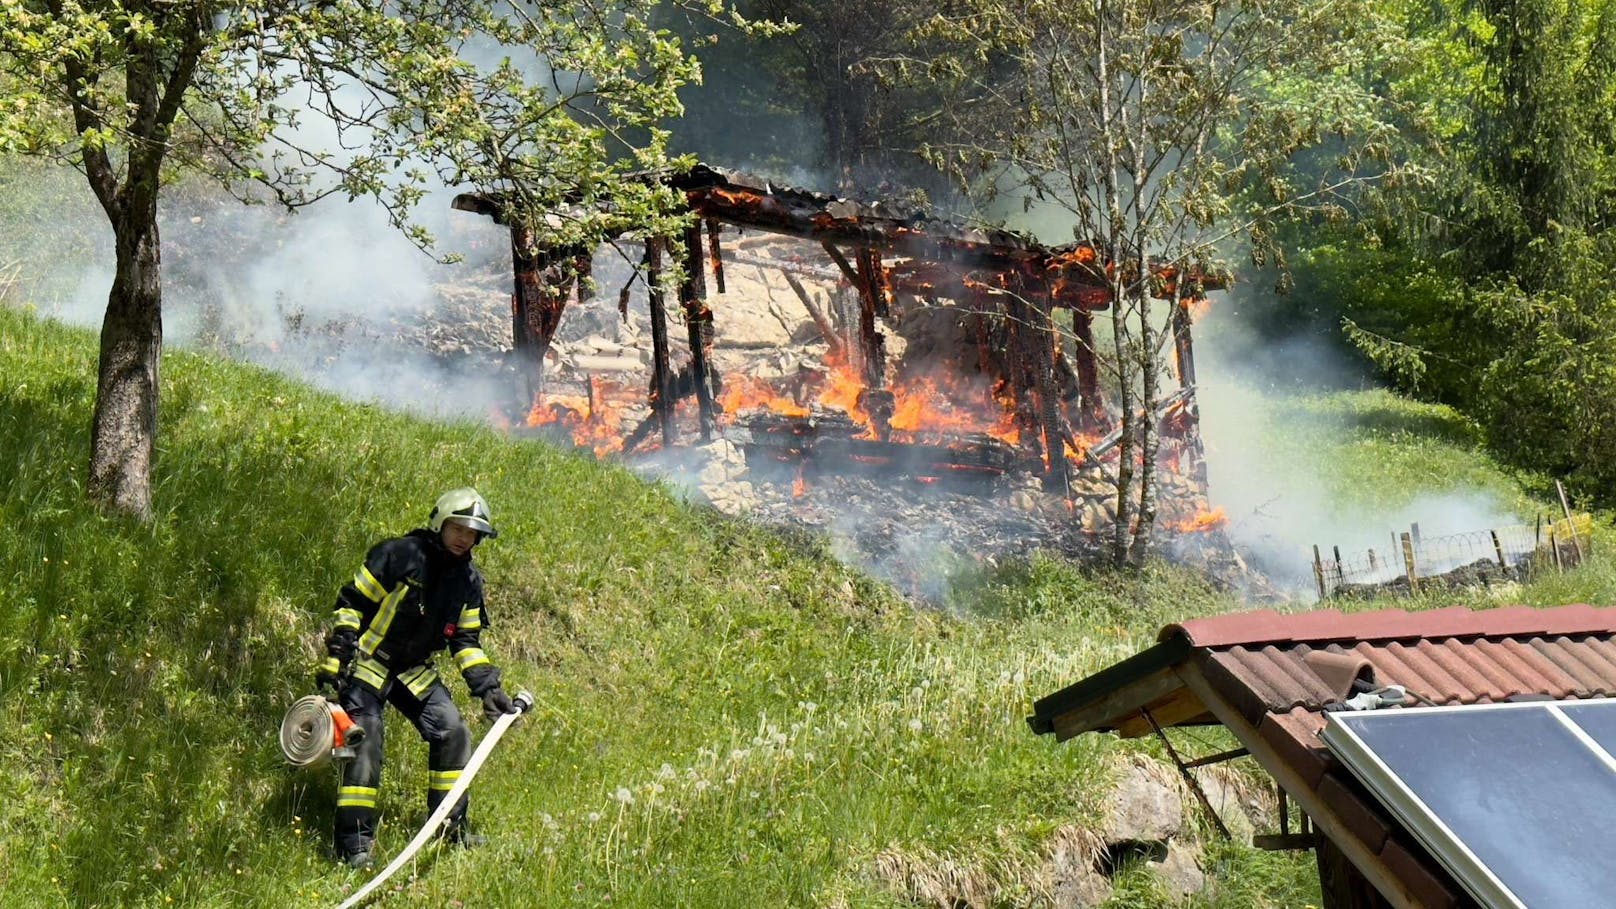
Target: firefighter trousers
[(436, 718)]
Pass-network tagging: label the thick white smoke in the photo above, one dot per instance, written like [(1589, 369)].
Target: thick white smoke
[(1272, 465)]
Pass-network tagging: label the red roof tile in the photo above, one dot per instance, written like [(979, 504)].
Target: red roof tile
[(1452, 656), (1258, 663), (1265, 626)]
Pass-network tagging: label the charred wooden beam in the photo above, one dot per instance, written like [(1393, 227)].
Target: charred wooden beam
[(583, 268), (826, 330), (1089, 415), (716, 251), (836, 256), (1183, 349), (1042, 336), (871, 341), (662, 402), (699, 320), (1021, 375), (875, 278)]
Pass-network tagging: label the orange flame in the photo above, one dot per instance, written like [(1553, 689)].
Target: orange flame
[(594, 421), (743, 393), (1202, 522)]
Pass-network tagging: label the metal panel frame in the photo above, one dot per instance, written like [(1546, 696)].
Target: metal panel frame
[(1412, 811)]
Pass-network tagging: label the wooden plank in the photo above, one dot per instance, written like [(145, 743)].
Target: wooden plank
[(1369, 864), (1124, 701), (1178, 707)]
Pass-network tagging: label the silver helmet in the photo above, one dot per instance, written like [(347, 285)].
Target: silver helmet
[(462, 506)]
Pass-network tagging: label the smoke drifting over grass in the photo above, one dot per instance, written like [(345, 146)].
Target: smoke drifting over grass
[(332, 294), (1301, 451)]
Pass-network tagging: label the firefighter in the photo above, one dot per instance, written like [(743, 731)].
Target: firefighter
[(415, 595)]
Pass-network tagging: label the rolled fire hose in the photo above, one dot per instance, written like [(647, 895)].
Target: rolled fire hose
[(312, 728), (524, 703)]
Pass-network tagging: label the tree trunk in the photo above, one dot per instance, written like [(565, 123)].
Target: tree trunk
[(124, 430), (1149, 440)]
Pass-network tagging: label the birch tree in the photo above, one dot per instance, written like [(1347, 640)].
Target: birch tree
[(1167, 131)]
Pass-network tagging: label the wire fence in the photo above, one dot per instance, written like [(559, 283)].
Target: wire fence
[(1410, 563)]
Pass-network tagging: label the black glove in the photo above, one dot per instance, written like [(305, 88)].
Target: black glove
[(341, 643), (497, 703)]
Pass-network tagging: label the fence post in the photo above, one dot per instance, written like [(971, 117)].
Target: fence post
[(1373, 568), (1408, 563), (1554, 547), (1318, 572), (1499, 550), (1414, 531), (1571, 525)]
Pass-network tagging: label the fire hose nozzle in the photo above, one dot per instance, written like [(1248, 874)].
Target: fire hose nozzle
[(523, 700)]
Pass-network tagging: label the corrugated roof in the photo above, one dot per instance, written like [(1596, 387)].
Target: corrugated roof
[(1279, 671)]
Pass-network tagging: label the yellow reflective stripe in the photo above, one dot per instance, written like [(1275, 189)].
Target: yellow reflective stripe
[(331, 665), (471, 619), (368, 585), (371, 672), (372, 638), (356, 797), (471, 656), (443, 780), (419, 679), (348, 618)]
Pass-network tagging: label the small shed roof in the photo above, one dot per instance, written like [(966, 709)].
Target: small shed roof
[(1269, 676)]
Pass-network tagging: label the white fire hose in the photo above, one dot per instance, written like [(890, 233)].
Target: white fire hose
[(524, 703)]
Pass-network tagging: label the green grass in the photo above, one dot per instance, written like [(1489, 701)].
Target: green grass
[(726, 718)]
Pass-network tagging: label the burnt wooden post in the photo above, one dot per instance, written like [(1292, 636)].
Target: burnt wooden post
[(699, 319), (869, 266), (870, 305), (583, 266), (857, 354), (661, 380), (716, 250), (1498, 550), (1088, 373), (1183, 350), (1020, 374), (532, 320), (1042, 336)]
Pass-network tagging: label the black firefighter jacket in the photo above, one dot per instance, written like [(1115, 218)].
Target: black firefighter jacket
[(410, 599)]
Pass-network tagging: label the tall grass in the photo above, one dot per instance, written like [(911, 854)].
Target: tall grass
[(724, 718)]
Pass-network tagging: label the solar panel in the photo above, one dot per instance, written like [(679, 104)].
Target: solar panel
[(1518, 801)]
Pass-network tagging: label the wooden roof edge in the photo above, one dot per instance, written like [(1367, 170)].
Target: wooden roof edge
[(1393, 886), (1119, 690)]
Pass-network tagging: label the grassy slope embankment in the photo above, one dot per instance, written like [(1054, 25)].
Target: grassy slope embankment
[(726, 718)]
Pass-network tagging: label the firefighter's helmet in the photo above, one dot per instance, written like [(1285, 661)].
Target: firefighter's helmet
[(462, 506)]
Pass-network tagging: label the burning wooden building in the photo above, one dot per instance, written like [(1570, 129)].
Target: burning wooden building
[(1009, 384)]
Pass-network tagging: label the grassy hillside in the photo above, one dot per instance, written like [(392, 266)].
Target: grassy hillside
[(726, 717)]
